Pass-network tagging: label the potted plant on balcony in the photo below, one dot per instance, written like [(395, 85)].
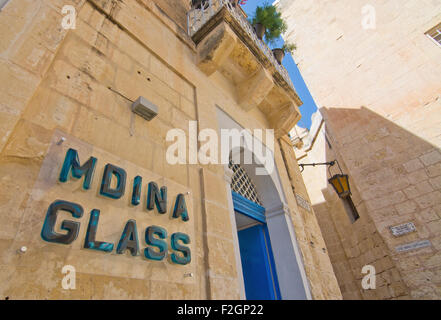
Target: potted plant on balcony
[(279, 53), (236, 2), (268, 22)]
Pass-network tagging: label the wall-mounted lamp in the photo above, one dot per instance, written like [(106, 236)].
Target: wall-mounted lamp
[(145, 108), (340, 182)]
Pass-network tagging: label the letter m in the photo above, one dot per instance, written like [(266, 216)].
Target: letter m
[(72, 163)]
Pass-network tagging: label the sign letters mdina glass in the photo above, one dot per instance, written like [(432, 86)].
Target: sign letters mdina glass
[(155, 236)]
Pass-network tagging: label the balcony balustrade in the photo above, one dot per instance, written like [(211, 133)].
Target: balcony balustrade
[(226, 42)]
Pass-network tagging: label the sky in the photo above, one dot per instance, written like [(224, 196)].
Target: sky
[(309, 106)]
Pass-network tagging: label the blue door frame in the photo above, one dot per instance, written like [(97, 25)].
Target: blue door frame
[(257, 259)]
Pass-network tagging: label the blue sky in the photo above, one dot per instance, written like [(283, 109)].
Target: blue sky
[(309, 106)]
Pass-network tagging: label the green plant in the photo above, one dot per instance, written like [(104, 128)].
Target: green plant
[(271, 19), (289, 47)]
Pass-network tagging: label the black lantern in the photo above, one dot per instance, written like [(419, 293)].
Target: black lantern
[(340, 182)]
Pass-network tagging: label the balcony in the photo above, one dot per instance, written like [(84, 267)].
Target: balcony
[(227, 43)]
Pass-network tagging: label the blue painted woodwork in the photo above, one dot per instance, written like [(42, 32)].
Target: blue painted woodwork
[(256, 265)]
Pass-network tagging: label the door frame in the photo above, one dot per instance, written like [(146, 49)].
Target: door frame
[(293, 281), (256, 212)]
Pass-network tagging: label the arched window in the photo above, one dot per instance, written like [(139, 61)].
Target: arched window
[(242, 184)]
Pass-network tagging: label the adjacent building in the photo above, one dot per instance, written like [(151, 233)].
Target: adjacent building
[(374, 70)]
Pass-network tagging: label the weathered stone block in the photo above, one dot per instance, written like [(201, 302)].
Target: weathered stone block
[(216, 48), (428, 200), (51, 109), (431, 158), (28, 142), (252, 91), (413, 165), (17, 85), (436, 183), (7, 123), (434, 170), (214, 187)]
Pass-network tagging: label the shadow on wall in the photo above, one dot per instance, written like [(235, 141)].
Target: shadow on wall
[(176, 10), (395, 178)]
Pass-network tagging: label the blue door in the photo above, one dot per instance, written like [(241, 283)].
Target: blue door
[(258, 267)]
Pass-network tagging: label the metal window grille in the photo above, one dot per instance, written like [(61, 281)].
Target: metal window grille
[(242, 184), (435, 34)]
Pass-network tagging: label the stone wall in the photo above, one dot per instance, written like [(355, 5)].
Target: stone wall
[(351, 246), (379, 93), (311, 241), (80, 85), (176, 10)]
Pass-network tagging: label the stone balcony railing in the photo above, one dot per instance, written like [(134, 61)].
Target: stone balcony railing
[(226, 42)]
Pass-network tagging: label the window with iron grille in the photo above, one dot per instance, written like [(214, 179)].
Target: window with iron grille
[(435, 34), (242, 184)]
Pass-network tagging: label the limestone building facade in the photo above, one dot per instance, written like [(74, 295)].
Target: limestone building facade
[(87, 188), (373, 69)]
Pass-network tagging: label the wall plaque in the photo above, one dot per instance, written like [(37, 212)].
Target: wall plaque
[(104, 208), (302, 202), (403, 229), (413, 246)]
